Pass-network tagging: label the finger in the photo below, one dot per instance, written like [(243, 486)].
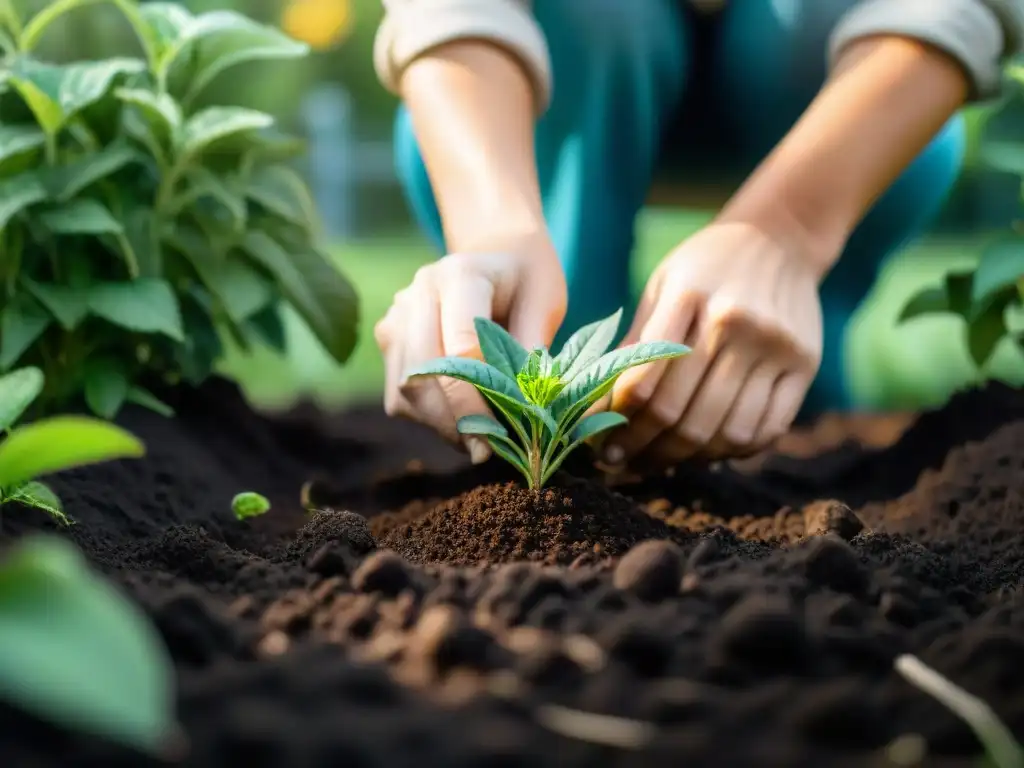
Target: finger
[(708, 408), (786, 399), (536, 315), (749, 411), (467, 296), (421, 342), (668, 321)]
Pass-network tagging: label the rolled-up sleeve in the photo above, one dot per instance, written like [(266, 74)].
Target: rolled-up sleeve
[(413, 27), (979, 34)]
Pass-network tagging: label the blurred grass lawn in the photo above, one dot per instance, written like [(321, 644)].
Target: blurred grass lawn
[(911, 366)]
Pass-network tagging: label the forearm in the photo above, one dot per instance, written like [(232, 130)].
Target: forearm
[(472, 107), (885, 101)]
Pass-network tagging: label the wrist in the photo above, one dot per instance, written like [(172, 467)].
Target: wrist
[(813, 242)]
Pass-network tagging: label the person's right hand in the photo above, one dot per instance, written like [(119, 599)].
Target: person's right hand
[(520, 286)]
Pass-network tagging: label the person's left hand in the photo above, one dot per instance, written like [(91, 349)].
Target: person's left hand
[(748, 306)]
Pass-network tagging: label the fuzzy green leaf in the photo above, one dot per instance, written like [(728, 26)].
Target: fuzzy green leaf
[(478, 424), (18, 141), (40, 496), (596, 423), (1001, 266), (76, 652), (587, 345), (81, 216), (240, 288), (476, 372), (316, 289), (18, 390), (596, 379), (69, 305), (1001, 155), (268, 326), (38, 84), (106, 387), (22, 321), (281, 191), (17, 193), (59, 443), (144, 306), (64, 183), (168, 22), (500, 348), (215, 123), (249, 504)]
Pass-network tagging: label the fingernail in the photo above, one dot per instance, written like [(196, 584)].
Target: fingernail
[(613, 454), (479, 451)]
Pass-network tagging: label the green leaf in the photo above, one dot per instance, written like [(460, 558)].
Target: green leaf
[(146, 305), (168, 22), (67, 304), (281, 191), (476, 372), (22, 321), (215, 123), (203, 346), (160, 113), (40, 496), (1001, 155), (59, 443), (18, 390), (587, 345), (987, 328), (57, 93), (148, 400), (594, 380), (478, 424), (106, 386), (204, 183), (1001, 266), (499, 347), (64, 183), (596, 423), (82, 216), (954, 296), (249, 504), (17, 193), (220, 40), (17, 141), (268, 326), (316, 289), (74, 651)]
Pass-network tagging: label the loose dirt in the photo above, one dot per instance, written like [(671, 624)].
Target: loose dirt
[(435, 614)]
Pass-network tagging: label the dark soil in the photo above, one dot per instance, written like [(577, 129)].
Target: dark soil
[(435, 614)]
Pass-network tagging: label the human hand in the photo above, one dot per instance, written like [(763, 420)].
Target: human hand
[(748, 306), (520, 285)]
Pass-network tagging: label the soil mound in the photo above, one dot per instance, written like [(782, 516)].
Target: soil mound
[(501, 523)]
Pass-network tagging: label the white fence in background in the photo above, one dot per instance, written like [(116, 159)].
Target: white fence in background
[(339, 162)]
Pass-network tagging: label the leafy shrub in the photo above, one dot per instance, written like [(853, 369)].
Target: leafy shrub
[(984, 296), (49, 445), (543, 399), (136, 228)]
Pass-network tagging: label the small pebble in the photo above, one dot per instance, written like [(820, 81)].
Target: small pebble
[(824, 517), (384, 572), (832, 562), (651, 570)]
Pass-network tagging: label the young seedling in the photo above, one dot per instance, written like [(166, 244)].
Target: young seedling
[(49, 445), (541, 398), (249, 504)]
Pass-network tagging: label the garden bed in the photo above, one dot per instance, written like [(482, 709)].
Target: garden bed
[(761, 630)]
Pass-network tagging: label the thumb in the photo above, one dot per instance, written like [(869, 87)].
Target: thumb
[(535, 316)]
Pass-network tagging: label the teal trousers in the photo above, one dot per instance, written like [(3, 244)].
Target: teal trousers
[(645, 87)]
